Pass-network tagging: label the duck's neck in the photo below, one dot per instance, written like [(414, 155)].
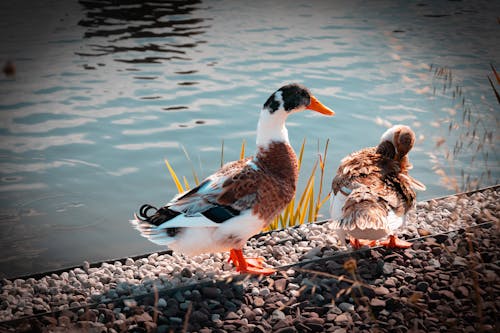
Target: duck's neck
[(271, 128)]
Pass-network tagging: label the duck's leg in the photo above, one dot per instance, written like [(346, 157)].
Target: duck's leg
[(359, 243), (394, 242), (248, 265)]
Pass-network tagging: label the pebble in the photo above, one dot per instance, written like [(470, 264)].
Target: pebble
[(346, 307)]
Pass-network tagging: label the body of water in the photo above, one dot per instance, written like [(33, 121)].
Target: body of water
[(104, 91)]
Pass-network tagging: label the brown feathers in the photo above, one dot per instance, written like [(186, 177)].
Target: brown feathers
[(265, 184), (376, 184)]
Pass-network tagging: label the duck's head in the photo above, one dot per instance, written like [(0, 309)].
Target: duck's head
[(293, 98), (288, 99), (396, 142)]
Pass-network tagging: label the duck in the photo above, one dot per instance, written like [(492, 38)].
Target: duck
[(242, 197), (372, 191)]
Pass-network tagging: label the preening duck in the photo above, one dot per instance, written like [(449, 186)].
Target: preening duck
[(242, 197), (372, 191)]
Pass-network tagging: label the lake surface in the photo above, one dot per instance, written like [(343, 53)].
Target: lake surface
[(104, 91)]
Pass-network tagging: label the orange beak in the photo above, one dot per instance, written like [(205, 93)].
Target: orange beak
[(317, 106)]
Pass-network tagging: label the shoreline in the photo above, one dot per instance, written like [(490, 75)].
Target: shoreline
[(93, 264)]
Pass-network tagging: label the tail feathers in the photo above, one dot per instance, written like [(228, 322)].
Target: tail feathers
[(159, 236), (365, 215), (362, 209)]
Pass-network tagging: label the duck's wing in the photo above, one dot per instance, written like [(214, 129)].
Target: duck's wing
[(353, 170), (219, 197)]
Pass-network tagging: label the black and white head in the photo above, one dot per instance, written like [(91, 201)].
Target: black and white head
[(396, 142), (288, 99), (293, 98)]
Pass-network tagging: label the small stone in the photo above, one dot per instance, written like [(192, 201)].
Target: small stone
[(186, 272), (210, 292), (86, 266), (280, 285), (434, 263), (120, 325), (377, 303), (315, 320), (175, 320), (448, 294), (179, 297), (312, 253), (343, 319), (459, 261), (423, 232), (278, 314), (264, 292), (346, 307), (462, 291), (381, 291), (162, 303), (258, 301), (422, 286), (232, 316), (390, 283), (143, 317), (387, 268)]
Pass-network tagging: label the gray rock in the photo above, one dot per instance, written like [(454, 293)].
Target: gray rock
[(277, 315), (346, 307), (175, 320), (312, 253), (387, 268), (162, 303)]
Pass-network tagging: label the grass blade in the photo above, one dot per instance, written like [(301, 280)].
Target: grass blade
[(494, 90), (242, 151), (301, 153), (174, 177), (193, 171), (186, 183), (222, 154), (497, 76)]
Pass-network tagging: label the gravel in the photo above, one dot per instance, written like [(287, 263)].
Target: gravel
[(447, 281)]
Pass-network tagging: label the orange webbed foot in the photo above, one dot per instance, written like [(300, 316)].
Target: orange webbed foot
[(248, 265), (394, 242), (359, 243)]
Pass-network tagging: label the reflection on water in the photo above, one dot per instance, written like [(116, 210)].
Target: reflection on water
[(103, 91), (122, 21)]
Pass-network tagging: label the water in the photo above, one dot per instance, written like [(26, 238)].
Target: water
[(105, 90)]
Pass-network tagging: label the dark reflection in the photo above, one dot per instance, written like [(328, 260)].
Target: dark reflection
[(120, 20), (175, 108)]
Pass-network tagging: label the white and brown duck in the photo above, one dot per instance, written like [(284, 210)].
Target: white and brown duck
[(372, 191), (241, 198)]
